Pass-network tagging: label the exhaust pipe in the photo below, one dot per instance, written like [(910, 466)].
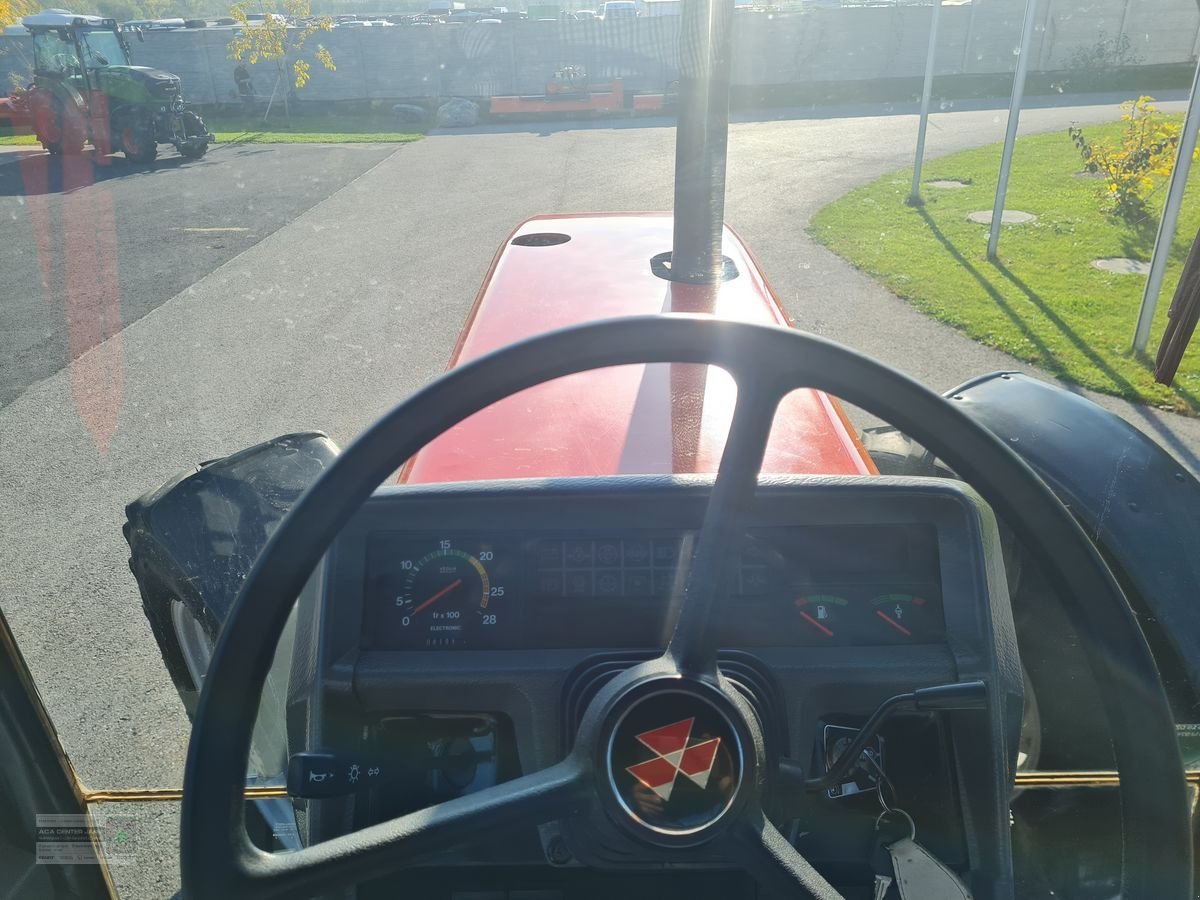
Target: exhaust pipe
[(701, 140)]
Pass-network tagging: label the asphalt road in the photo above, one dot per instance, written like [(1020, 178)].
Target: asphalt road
[(345, 297), (151, 230)]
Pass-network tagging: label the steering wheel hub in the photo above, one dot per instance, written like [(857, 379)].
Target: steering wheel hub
[(675, 761)]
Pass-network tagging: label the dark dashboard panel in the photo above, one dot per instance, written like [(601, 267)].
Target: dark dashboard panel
[(861, 540), (802, 585)]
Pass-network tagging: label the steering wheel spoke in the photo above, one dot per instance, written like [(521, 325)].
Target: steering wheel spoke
[(559, 791), (713, 569), (780, 871)]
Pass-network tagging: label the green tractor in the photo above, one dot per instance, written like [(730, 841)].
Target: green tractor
[(85, 89)]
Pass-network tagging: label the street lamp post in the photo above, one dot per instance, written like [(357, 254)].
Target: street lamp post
[(915, 196), (1014, 119)]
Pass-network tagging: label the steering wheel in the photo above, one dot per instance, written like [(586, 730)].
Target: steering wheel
[(67, 63), (218, 858)]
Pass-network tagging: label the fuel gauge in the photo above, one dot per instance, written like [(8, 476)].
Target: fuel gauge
[(821, 612)]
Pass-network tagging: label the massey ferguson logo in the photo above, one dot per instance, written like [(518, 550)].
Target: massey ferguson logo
[(673, 756)]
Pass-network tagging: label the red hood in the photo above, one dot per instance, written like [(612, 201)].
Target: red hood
[(659, 419)]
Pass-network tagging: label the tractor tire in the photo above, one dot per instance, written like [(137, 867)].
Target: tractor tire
[(70, 132), (193, 126), (136, 140)]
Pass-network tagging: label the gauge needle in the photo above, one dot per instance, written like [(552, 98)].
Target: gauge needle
[(815, 624), (438, 596), (900, 628)]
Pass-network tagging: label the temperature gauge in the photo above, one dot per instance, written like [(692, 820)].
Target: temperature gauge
[(903, 618)]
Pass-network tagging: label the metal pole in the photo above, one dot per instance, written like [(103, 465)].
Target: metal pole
[(1170, 217), (270, 102), (962, 69), (1014, 119), (915, 196), (701, 140)]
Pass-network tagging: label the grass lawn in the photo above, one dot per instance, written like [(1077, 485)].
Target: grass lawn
[(1042, 301), (302, 129), (308, 129)]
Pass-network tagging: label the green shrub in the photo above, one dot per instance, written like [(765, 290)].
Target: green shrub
[(1137, 166)]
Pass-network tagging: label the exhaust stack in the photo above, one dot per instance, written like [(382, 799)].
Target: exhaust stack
[(701, 140)]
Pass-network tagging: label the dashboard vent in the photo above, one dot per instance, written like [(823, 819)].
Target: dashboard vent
[(744, 671)]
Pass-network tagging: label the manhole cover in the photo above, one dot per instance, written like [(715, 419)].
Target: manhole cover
[(1008, 217), (1120, 265), (947, 184)]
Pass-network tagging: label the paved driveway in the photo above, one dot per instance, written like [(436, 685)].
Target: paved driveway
[(87, 248)]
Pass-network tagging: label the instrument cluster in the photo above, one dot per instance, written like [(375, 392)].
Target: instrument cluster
[(853, 585)]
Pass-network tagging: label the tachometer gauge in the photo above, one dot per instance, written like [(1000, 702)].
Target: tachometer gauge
[(447, 598), (901, 618)]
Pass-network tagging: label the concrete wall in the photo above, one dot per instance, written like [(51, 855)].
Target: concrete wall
[(848, 44)]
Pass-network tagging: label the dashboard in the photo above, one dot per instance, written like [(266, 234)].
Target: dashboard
[(458, 632), (803, 585)]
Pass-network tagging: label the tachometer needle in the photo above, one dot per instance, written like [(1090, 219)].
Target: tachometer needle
[(900, 628), (438, 596), (815, 624)]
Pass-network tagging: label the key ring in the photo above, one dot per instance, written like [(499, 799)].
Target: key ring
[(890, 810), (884, 781), (895, 811)]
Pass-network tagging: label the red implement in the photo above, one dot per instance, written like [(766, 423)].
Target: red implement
[(14, 115), (601, 98)]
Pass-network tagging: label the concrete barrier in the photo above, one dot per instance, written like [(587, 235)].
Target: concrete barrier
[(820, 45)]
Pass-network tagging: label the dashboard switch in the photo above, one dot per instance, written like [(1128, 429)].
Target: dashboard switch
[(317, 775)]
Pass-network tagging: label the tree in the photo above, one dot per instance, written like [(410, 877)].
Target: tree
[(121, 10), (275, 39), (12, 11)]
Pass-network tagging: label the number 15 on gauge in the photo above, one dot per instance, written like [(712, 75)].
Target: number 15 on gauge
[(448, 595)]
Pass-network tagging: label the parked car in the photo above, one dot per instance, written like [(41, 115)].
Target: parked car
[(658, 8), (619, 10)]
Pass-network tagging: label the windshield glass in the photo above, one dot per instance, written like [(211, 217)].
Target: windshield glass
[(54, 53), (293, 215), (101, 48)]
